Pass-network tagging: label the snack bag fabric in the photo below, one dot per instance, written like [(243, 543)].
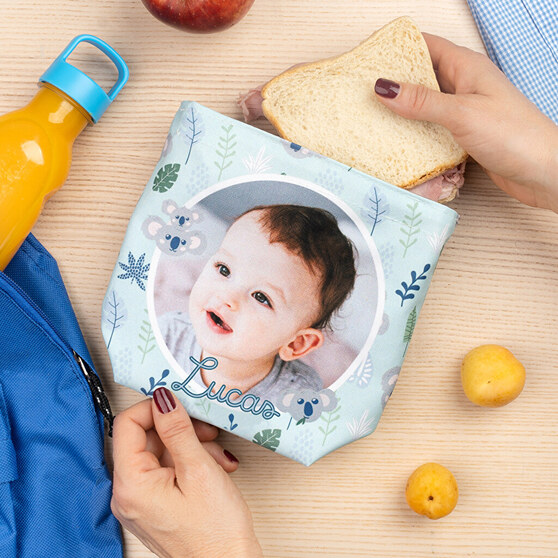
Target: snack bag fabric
[(274, 291)]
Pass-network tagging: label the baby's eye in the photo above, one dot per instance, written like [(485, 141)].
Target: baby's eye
[(261, 298), (223, 270)]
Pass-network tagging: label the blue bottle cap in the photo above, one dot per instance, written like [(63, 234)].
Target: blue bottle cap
[(80, 86)]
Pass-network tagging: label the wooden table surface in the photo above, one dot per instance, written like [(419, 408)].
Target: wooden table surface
[(495, 283)]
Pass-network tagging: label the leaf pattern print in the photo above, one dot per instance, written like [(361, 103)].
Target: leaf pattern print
[(146, 335), (410, 326), (226, 146), (191, 131), (363, 374), (329, 418), (410, 229), (406, 293), (268, 438), (153, 385), (166, 177), (374, 209), (358, 428), (258, 164), (135, 270), (115, 313)]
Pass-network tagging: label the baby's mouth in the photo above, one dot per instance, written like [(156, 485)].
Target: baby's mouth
[(217, 323)]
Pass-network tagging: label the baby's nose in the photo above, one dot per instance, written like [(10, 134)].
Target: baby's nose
[(231, 299)]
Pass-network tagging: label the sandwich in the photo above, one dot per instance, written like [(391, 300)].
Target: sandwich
[(330, 107)]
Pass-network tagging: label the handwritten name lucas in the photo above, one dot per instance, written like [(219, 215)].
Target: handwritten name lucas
[(248, 403)]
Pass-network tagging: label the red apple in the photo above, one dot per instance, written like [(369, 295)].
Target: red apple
[(199, 16)]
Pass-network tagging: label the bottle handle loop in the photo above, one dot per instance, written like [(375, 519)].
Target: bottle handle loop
[(115, 58)]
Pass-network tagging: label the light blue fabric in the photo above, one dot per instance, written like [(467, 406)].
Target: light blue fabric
[(212, 170), (521, 38)]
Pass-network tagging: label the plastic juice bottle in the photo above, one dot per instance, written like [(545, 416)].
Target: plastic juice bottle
[(36, 141)]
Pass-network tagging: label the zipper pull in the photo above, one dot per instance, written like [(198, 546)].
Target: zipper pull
[(97, 391)]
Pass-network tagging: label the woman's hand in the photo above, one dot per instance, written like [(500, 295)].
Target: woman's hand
[(171, 487), (499, 127)]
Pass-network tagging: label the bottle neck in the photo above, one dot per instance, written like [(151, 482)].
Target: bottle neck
[(59, 112)]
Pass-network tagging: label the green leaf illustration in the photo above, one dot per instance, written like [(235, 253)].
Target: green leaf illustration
[(410, 227), (410, 327), (166, 177), (146, 335), (268, 438), (328, 418), (205, 406), (225, 152)]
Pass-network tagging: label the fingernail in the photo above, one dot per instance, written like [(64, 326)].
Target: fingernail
[(387, 88), (230, 456), (164, 400)]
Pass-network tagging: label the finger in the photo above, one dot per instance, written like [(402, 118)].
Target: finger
[(447, 60), (224, 458), (417, 102), (177, 433), (154, 444), (130, 440), (205, 432)]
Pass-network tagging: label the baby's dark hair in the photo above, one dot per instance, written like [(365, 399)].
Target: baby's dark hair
[(314, 236)]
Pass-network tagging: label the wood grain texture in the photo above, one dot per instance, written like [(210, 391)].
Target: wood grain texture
[(495, 283)]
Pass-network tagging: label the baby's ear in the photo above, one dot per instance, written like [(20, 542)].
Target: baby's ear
[(305, 341)]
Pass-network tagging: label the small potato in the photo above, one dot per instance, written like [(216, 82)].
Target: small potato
[(491, 376)]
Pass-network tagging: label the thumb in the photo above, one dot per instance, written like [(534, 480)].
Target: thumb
[(416, 102), (176, 431)]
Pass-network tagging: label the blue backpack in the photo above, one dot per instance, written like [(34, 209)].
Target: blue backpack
[(55, 488)]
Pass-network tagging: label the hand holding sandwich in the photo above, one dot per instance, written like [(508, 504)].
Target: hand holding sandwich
[(501, 129)]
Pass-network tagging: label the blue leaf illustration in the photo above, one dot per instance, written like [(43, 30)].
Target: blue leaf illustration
[(232, 424), (405, 294), (135, 270), (192, 131), (115, 313), (374, 209), (154, 385)]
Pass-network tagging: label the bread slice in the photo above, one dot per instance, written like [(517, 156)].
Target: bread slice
[(330, 107)]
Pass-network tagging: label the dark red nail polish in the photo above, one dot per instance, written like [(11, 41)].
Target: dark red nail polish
[(164, 400), (230, 456), (387, 88)]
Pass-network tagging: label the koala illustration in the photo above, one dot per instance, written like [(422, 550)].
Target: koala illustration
[(181, 218), (307, 404), (299, 152), (175, 237)]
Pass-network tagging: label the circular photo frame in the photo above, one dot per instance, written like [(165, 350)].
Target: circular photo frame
[(239, 284)]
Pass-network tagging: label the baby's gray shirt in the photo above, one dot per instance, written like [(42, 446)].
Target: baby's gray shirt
[(178, 335)]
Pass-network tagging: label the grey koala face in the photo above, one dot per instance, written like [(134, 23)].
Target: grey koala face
[(307, 404), (170, 240), (180, 218)]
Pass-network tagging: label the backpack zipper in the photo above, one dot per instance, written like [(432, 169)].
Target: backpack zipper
[(92, 380)]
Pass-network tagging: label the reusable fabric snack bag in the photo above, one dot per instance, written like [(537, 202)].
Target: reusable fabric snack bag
[(273, 290)]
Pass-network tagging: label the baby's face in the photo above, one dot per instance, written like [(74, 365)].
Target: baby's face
[(252, 297)]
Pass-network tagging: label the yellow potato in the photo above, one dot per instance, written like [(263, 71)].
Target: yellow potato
[(432, 491), (492, 376)]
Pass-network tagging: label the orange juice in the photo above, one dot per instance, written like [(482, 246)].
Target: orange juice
[(36, 142)]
